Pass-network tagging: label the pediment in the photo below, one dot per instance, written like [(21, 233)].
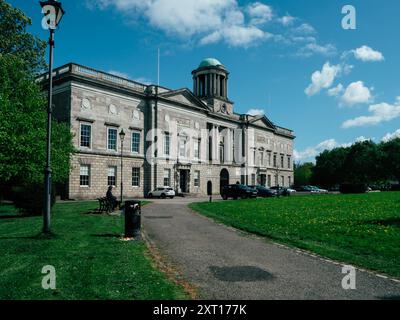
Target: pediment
[(263, 121), (184, 96)]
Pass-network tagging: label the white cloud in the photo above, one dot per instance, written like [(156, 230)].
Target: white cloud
[(366, 53), (336, 91), (212, 21), (312, 152), (382, 112), (391, 136), (304, 29), (287, 20), (256, 112), (259, 13), (356, 93), (236, 36), (323, 79), (313, 48)]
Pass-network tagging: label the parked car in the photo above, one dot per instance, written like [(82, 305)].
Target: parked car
[(163, 192), (281, 191), (312, 189), (319, 190), (264, 192), (236, 191)]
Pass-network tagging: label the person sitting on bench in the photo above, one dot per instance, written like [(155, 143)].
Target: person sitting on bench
[(111, 198)]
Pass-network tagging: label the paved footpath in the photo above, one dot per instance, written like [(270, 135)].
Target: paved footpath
[(227, 264)]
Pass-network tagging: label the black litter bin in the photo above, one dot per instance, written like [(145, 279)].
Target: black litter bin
[(132, 219)]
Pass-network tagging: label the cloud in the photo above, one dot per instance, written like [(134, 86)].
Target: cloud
[(336, 91), (287, 20), (382, 112), (323, 79), (259, 13), (304, 29), (256, 112), (391, 136), (366, 53), (218, 21), (356, 93), (312, 152), (236, 36), (313, 48)]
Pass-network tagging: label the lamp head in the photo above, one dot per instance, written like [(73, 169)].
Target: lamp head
[(53, 13)]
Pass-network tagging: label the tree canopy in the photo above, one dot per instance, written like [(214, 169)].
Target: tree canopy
[(23, 115)]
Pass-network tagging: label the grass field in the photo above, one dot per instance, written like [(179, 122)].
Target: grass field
[(363, 230), (91, 261)]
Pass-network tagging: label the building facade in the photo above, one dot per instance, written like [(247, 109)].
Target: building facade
[(192, 141)]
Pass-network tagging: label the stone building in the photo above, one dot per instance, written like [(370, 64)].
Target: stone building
[(192, 141)]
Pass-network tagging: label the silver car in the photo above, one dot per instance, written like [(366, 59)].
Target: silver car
[(163, 192)]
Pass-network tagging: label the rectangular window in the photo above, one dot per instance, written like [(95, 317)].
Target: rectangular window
[(289, 162), (269, 159), (135, 177), (86, 135), (84, 175), (269, 180), (261, 158), (112, 139), (254, 157), (112, 176), (197, 178), (136, 142), (290, 181), (282, 164), (197, 149), (182, 147), (276, 180), (274, 160), (167, 144), (167, 177), (283, 181)]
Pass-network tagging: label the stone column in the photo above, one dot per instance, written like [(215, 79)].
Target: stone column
[(228, 145), (218, 86), (206, 85)]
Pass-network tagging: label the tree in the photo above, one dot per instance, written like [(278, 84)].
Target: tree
[(329, 169), (390, 152), (16, 41), (363, 163), (23, 128), (303, 173), (23, 115)]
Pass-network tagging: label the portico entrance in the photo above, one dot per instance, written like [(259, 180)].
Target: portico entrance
[(184, 181)]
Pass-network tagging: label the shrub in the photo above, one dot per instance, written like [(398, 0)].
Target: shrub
[(348, 188), (29, 199)]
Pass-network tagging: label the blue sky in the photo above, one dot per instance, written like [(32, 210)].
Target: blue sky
[(272, 49)]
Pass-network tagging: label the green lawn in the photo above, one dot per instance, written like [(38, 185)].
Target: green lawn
[(91, 261), (363, 230)]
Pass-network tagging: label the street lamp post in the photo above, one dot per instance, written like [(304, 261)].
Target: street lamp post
[(122, 137), (53, 14)]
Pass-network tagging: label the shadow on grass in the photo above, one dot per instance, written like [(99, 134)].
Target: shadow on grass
[(389, 298), (386, 222), (106, 235), (13, 216), (40, 236)]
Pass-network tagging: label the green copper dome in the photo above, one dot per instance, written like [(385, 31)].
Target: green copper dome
[(210, 62)]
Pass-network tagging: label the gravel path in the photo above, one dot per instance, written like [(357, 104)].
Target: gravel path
[(228, 264)]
